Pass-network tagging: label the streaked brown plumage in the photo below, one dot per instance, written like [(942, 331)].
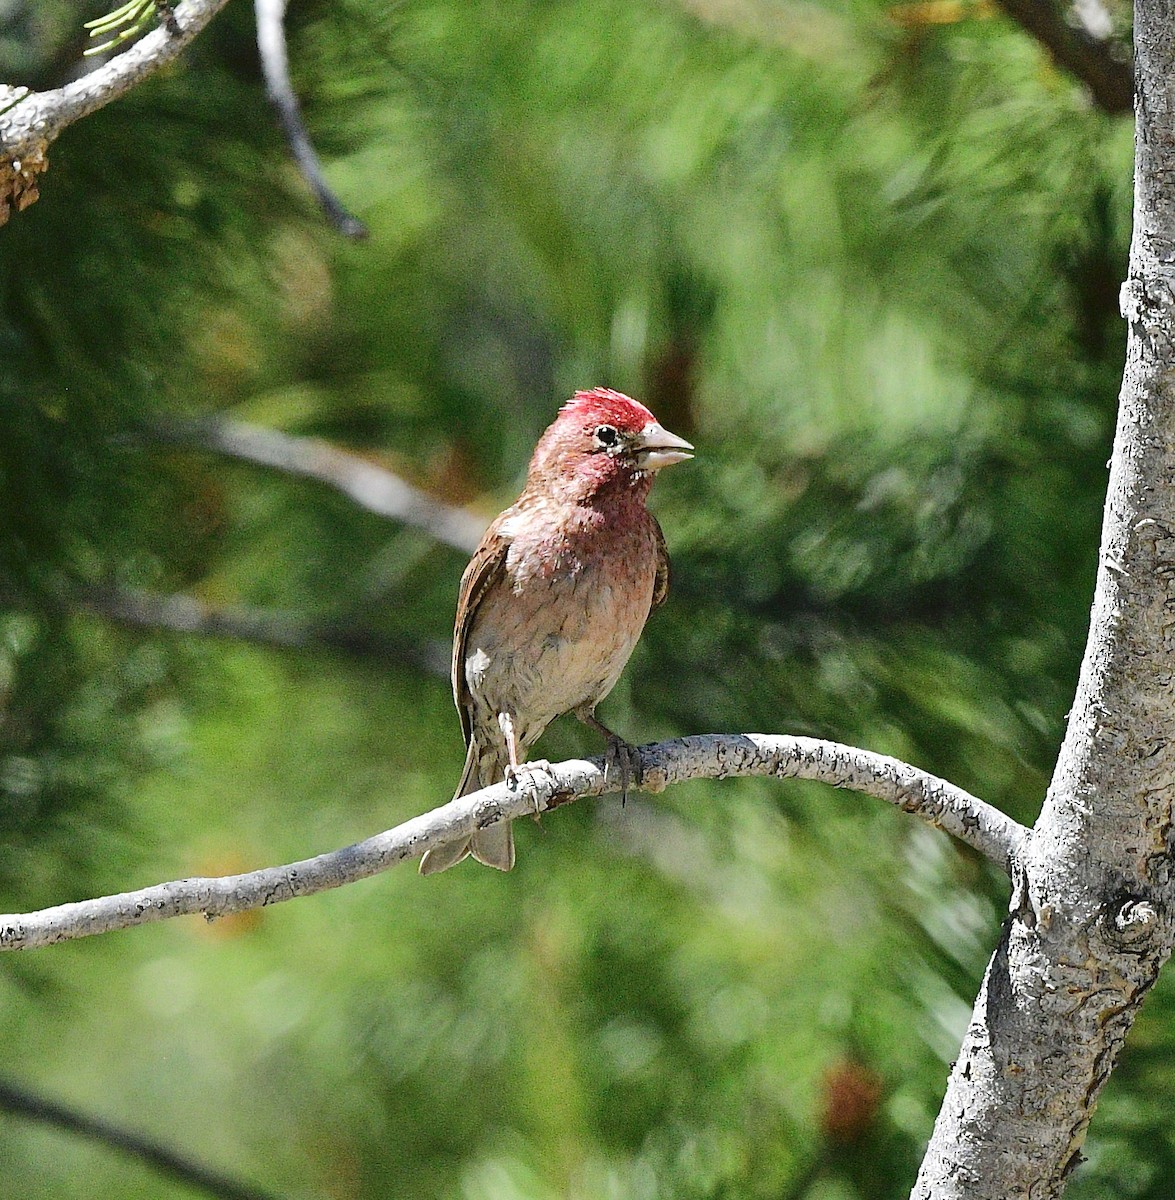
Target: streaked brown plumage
[(556, 595)]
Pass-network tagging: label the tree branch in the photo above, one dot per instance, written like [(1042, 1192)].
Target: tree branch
[(709, 756), (275, 65), (161, 1158), (182, 613), (30, 121), (371, 487), (1077, 48), (177, 612)]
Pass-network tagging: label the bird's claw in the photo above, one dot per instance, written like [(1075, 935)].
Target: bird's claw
[(539, 766), (626, 759)]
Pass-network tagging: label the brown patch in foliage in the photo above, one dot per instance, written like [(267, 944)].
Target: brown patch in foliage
[(18, 180), (852, 1097)]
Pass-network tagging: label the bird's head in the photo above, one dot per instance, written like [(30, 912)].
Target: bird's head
[(603, 436)]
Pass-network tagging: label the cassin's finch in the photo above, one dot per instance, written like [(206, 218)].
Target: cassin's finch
[(556, 596)]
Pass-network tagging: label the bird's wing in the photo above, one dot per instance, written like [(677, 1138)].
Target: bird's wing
[(484, 568), (661, 580)]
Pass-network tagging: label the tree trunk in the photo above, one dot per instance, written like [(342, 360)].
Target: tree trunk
[(1090, 924)]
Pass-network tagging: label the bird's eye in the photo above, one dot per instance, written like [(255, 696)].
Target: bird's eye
[(606, 435)]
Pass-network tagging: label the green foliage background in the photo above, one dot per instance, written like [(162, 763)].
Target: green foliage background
[(869, 265)]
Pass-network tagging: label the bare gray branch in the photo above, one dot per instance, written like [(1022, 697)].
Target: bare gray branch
[(275, 65), (30, 121), (181, 613), (39, 117), (370, 486), (709, 756)]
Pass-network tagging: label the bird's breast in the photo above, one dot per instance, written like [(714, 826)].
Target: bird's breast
[(558, 631)]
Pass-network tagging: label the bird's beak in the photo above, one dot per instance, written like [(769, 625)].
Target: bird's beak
[(656, 448)]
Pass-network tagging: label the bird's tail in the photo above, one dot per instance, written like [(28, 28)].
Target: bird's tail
[(494, 845)]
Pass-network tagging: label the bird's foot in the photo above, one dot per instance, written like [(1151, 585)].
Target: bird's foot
[(516, 777), (620, 757), (623, 760)]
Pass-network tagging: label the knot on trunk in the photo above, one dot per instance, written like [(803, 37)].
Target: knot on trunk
[(1131, 922)]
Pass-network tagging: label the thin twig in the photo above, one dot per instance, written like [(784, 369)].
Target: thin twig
[(168, 1162), (275, 65), (709, 756), (371, 487)]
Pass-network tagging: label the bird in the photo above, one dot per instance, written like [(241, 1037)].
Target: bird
[(555, 598)]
